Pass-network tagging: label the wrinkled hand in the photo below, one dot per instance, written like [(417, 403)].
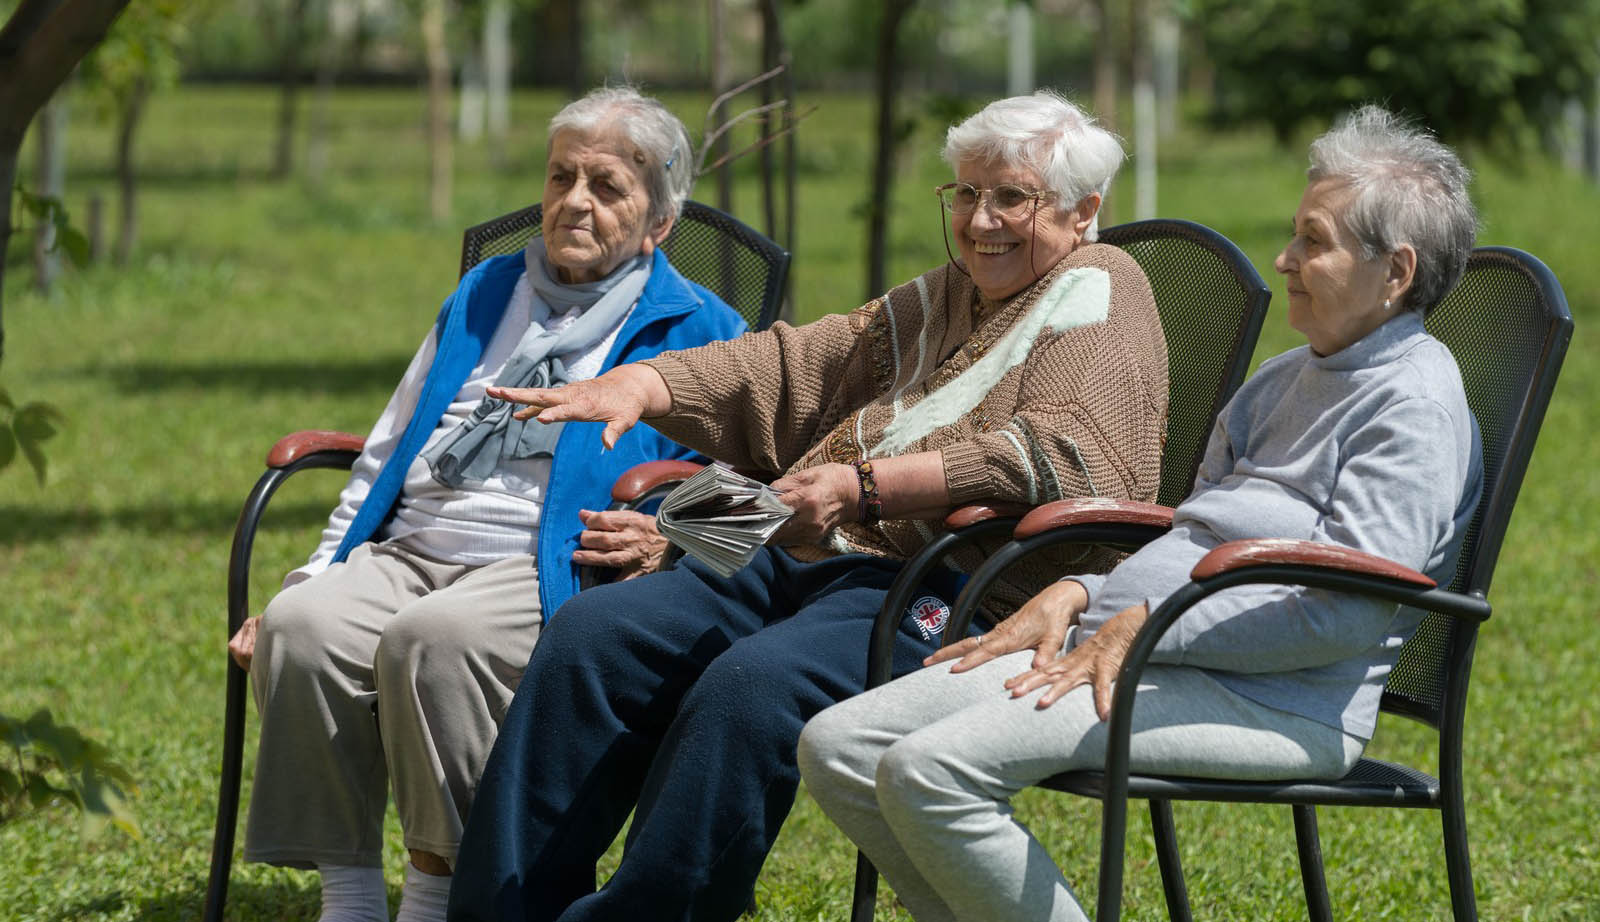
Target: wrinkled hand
[(242, 645), (617, 398), (1094, 662), (623, 540), (822, 497), (1040, 625)]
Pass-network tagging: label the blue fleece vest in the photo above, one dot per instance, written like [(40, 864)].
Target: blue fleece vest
[(672, 313)]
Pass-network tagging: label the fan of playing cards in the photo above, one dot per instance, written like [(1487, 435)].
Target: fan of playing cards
[(721, 517)]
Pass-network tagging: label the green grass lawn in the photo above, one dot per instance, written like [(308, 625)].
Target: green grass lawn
[(254, 308)]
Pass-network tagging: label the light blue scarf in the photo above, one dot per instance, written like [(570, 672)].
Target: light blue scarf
[(473, 451)]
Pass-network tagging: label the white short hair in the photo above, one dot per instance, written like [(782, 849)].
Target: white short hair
[(1045, 133), (660, 142), (1407, 189)]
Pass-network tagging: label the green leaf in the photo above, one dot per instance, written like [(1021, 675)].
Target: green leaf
[(103, 800), (36, 422), (10, 784), (5, 400), (41, 792), (8, 446), (12, 732), (75, 244)]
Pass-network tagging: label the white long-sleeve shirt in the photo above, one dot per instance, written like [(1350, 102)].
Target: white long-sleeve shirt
[(498, 518)]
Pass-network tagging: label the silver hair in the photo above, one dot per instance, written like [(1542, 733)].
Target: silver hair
[(1049, 135), (1408, 189), (660, 142)]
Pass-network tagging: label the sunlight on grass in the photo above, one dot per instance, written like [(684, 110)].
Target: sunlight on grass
[(254, 309)]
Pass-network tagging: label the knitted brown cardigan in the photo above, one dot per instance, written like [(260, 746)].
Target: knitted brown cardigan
[(1058, 391)]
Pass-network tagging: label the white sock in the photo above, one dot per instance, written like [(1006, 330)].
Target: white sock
[(424, 897), (353, 894)]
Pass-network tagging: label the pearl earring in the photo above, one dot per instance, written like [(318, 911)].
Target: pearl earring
[(1388, 305)]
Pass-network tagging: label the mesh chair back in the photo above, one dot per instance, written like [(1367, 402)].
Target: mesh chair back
[(720, 252), (1212, 303), (1508, 325)]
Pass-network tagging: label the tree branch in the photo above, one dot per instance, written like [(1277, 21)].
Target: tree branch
[(24, 22), (53, 36)]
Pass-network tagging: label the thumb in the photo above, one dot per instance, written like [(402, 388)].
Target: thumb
[(1055, 634), (1105, 686)]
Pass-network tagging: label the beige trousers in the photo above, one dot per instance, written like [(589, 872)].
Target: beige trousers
[(429, 651)]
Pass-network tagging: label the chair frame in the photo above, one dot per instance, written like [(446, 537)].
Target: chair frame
[(338, 450), (512, 231), (1275, 561), (970, 525)]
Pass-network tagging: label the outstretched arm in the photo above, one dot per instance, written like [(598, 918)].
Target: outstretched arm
[(619, 398)]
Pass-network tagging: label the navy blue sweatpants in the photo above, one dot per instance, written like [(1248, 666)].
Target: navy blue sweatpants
[(681, 696)]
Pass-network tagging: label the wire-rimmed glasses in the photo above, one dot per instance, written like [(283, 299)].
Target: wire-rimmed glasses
[(1006, 200)]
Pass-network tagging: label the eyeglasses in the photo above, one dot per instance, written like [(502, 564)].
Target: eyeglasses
[(1006, 200)]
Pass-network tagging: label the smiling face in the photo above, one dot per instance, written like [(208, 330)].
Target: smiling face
[(1005, 255), (1336, 295), (596, 204)]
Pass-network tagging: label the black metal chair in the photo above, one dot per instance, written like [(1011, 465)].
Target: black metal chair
[(1508, 325), (1212, 303), (741, 266)]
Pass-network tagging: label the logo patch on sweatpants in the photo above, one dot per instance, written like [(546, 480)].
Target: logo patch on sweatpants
[(931, 615)]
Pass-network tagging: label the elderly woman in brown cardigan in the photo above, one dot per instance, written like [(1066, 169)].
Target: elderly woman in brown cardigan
[(1032, 369)]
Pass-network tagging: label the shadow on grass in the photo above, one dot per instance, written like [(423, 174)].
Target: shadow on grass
[(377, 373), (247, 900), (20, 525)]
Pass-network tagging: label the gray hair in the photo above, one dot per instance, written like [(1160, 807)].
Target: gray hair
[(1408, 189), (1049, 135), (659, 140)]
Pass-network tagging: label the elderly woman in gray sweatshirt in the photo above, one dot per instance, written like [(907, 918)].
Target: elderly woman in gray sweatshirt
[(1360, 438)]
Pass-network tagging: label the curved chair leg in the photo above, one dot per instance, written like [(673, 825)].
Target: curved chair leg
[(1166, 834), (1457, 861), (227, 796), (863, 901), (1309, 845), (244, 535)]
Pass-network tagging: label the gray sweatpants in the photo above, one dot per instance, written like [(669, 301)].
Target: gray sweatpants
[(429, 651), (920, 773)]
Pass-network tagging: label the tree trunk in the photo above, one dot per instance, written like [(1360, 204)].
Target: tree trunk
[(1019, 49), (888, 137), (558, 46), (127, 130), (40, 44), (719, 85), (1591, 134), (497, 77), (1166, 42), (774, 53), (1144, 115), (470, 111), (294, 37), (50, 133), (341, 22), (1105, 84), (440, 149), (9, 146)]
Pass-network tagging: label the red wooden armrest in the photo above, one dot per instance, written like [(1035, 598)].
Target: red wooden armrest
[(983, 512), (1236, 554), (1089, 510), (299, 444), (640, 479)]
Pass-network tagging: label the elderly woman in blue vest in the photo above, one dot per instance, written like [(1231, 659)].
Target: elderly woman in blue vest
[(1361, 438), (460, 525)]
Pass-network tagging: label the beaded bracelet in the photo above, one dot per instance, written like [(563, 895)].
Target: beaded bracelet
[(869, 510)]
